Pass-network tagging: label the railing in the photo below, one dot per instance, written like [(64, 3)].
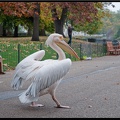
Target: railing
[(12, 54)]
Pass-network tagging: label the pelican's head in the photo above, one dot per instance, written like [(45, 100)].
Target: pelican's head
[(56, 38), (52, 38)]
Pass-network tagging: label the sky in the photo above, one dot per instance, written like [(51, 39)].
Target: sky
[(117, 6)]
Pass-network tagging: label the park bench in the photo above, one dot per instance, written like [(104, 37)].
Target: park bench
[(1, 66), (112, 50)]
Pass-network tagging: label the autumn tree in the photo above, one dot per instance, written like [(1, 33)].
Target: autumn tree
[(76, 12), (112, 22), (10, 21), (97, 23), (35, 36), (22, 9), (46, 21), (79, 12)]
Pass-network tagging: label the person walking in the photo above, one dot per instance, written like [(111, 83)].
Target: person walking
[(70, 33)]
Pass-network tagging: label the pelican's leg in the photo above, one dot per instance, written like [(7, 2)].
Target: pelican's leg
[(33, 104), (57, 102)]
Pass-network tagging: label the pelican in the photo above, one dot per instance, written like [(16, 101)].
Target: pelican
[(45, 75)]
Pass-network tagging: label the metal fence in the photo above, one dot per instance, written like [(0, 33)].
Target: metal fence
[(12, 54)]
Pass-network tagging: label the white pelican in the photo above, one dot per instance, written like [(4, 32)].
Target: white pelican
[(45, 75)]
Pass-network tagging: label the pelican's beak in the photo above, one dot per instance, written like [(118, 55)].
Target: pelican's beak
[(63, 45)]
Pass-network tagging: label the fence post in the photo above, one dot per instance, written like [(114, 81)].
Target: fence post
[(81, 56), (1, 66), (104, 49), (97, 50), (40, 46)]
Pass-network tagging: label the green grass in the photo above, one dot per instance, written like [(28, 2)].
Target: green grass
[(13, 50)]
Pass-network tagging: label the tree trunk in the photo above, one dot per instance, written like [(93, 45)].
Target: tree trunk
[(35, 36), (59, 22), (16, 31), (58, 26), (29, 33), (1, 30), (4, 30), (42, 32)]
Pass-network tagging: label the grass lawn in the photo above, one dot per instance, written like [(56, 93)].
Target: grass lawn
[(14, 49)]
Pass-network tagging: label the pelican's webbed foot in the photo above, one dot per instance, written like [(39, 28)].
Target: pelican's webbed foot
[(61, 106), (33, 104)]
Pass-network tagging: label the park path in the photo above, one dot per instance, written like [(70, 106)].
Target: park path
[(91, 89)]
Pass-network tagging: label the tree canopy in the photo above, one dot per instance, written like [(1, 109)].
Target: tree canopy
[(56, 13)]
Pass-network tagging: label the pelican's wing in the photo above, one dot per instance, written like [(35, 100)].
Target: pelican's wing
[(30, 59), (47, 75), (25, 67)]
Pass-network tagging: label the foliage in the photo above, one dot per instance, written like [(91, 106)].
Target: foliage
[(85, 16), (77, 11), (96, 24), (11, 18), (18, 9), (46, 21), (111, 22)]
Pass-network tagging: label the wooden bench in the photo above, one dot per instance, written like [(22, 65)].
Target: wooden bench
[(1, 66), (112, 50)]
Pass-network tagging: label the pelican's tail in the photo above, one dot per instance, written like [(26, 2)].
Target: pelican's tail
[(16, 83), (27, 97)]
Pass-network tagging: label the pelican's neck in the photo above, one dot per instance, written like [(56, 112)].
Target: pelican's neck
[(61, 54)]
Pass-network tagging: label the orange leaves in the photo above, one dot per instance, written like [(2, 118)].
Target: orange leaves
[(18, 9), (85, 9), (76, 11)]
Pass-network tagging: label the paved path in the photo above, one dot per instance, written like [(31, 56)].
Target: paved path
[(91, 89)]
